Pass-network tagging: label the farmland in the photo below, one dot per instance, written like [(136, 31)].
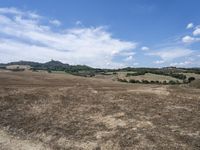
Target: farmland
[(40, 110)]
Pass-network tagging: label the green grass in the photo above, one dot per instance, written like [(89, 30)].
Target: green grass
[(197, 76), (150, 77)]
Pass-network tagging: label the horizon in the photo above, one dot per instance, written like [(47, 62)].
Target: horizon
[(102, 34), (8, 63)]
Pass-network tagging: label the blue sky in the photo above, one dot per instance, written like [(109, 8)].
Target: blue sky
[(102, 33)]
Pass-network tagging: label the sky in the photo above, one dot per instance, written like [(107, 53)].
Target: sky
[(101, 33)]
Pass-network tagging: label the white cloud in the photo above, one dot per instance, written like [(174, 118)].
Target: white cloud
[(55, 22), (78, 22), (26, 38), (144, 48), (159, 61), (183, 64), (189, 39), (129, 58), (190, 25), (196, 31), (171, 53), (135, 64), (15, 11)]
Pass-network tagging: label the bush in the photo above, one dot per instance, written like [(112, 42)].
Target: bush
[(49, 71), (172, 82), (190, 79), (134, 81), (164, 82), (122, 80), (152, 82), (34, 69), (145, 81)]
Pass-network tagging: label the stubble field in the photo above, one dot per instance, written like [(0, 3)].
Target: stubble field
[(41, 111)]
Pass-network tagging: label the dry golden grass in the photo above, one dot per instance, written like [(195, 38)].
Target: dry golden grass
[(41, 111)]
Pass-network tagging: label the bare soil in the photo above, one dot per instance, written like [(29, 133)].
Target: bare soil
[(41, 111)]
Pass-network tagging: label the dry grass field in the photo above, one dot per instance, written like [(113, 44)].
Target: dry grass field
[(148, 76), (153, 77), (197, 76), (43, 111)]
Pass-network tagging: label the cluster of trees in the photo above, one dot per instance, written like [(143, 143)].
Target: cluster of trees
[(192, 70), (190, 79), (18, 69), (136, 73)]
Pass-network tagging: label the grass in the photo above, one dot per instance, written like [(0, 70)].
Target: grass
[(151, 77), (197, 76), (56, 111)]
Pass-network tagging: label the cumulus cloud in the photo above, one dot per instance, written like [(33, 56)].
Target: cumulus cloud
[(190, 25), (181, 64), (189, 39), (144, 48), (196, 31), (78, 22), (135, 64), (23, 36), (159, 61), (55, 22), (15, 11), (171, 53), (129, 58)]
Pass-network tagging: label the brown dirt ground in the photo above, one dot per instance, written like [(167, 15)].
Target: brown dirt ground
[(41, 111)]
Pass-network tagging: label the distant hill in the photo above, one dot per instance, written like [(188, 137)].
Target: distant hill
[(59, 66), (52, 65)]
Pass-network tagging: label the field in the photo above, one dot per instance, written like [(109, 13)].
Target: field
[(55, 111), (147, 76), (152, 77), (197, 76)]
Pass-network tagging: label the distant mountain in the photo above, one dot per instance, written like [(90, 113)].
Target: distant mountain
[(52, 65), (29, 63), (59, 66), (55, 65)]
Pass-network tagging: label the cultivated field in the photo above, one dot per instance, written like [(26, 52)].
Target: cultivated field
[(147, 76), (152, 77), (48, 111)]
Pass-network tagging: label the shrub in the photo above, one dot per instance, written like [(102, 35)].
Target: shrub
[(49, 71), (122, 80), (190, 79), (132, 81), (172, 82), (145, 81), (164, 82)]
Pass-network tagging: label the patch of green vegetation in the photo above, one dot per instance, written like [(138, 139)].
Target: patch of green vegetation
[(171, 74)]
